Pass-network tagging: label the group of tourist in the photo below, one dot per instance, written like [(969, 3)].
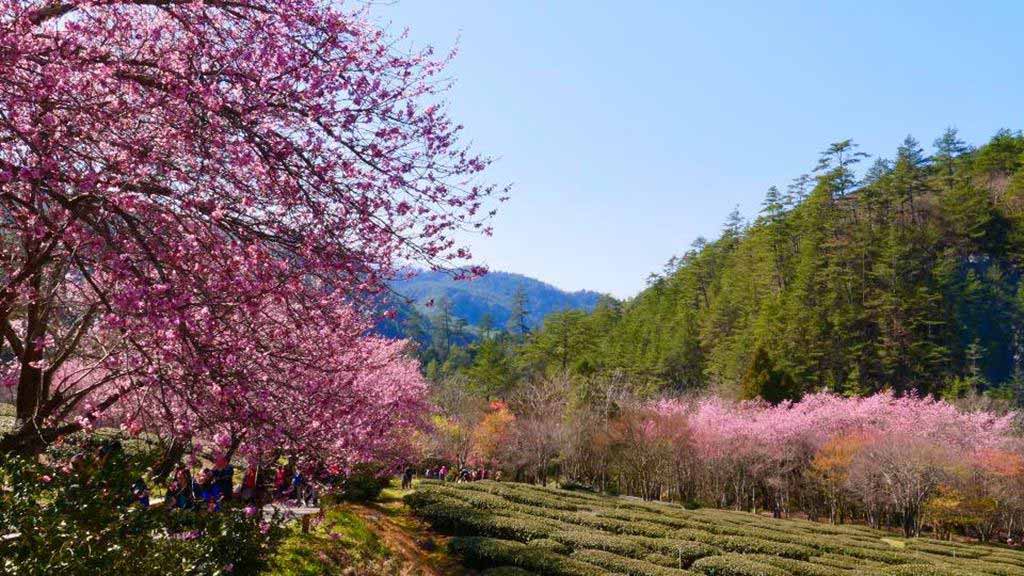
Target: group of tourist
[(205, 492), (464, 474), (290, 484), (214, 486)]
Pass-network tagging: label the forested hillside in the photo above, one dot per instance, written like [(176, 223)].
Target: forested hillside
[(900, 274), (451, 319)]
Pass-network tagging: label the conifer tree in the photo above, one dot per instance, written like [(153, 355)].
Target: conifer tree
[(519, 317)]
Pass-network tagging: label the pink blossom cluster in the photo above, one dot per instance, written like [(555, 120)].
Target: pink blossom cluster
[(200, 201), (725, 429)]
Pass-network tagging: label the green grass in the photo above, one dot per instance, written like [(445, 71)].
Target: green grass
[(394, 493), (339, 540), (553, 532), (7, 412)]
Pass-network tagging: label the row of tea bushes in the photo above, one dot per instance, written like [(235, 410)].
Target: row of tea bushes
[(519, 530)]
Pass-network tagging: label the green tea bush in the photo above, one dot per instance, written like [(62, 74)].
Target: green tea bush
[(637, 527), (490, 552), (580, 539), (945, 548), (882, 556), (746, 545), (681, 551), (995, 568), (466, 521), (735, 565), (665, 560), (762, 534), (630, 537), (862, 541), (506, 571), (549, 544), (631, 566), (518, 493), (923, 570), (798, 567), (654, 519), (842, 562), (1000, 557)]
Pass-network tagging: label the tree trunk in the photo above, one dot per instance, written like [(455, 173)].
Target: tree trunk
[(908, 523), (29, 440), (170, 459)]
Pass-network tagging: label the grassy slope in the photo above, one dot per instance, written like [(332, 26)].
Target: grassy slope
[(560, 533), (338, 540), (379, 539)]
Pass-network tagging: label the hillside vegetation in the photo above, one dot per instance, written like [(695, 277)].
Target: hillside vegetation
[(875, 313), (906, 278), (551, 532), (452, 321)]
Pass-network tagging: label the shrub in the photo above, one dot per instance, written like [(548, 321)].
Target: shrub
[(638, 528), (839, 561), (945, 548), (923, 570), (630, 566), (363, 483), (81, 520), (993, 568), (506, 571), (654, 519), (580, 539), (747, 545), (465, 521), (426, 496), (665, 560), (577, 487), (797, 567), (735, 565), (490, 552), (1003, 559), (523, 494), (445, 515), (549, 544), (883, 556), (762, 534), (639, 538), (680, 551)]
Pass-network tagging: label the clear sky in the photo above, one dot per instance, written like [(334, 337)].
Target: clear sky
[(630, 128)]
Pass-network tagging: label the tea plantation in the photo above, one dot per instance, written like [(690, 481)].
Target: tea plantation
[(522, 530)]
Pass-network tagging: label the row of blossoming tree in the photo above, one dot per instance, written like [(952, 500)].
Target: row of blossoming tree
[(200, 203), (881, 459), (903, 462)]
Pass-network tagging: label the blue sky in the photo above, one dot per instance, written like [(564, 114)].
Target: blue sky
[(630, 128)]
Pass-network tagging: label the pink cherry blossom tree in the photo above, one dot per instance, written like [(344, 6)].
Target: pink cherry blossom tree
[(749, 453), (197, 199)]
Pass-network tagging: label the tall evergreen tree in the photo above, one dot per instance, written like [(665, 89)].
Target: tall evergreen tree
[(519, 317)]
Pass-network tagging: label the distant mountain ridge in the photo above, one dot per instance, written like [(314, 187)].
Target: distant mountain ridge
[(491, 295)]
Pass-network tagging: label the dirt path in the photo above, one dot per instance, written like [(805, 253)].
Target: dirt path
[(288, 511), (403, 544)]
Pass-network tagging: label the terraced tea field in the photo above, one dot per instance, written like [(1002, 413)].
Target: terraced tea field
[(521, 530)]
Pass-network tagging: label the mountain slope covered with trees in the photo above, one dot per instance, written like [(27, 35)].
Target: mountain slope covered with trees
[(904, 276), (908, 278)]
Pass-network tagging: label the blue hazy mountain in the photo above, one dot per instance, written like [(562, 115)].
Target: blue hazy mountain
[(491, 295)]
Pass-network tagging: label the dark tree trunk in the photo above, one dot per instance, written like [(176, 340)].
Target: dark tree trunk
[(29, 440), (170, 459)]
